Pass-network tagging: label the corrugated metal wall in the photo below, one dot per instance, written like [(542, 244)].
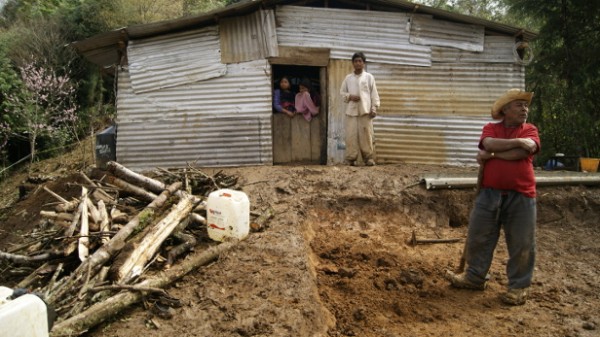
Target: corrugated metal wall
[(444, 89), (248, 38), (383, 35), (175, 59), (428, 31), (427, 115), (434, 99), (427, 139), (435, 115), (217, 122), (336, 145), (496, 49)]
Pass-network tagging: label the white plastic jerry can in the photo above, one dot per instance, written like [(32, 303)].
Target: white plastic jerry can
[(228, 215), (24, 316)]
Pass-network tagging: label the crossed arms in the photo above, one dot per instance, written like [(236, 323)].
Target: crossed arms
[(507, 149)]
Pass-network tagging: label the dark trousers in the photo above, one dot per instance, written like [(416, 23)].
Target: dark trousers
[(514, 212)]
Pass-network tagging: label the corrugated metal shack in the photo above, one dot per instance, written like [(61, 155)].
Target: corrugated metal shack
[(198, 90)]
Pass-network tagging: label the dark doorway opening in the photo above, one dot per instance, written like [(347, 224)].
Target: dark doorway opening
[(296, 140)]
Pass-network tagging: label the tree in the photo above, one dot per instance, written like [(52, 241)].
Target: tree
[(565, 74), (45, 104), (486, 9)]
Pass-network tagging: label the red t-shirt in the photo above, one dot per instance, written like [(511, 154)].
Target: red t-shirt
[(516, 175)]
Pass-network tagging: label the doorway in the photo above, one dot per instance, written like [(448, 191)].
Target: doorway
[(296, 140)]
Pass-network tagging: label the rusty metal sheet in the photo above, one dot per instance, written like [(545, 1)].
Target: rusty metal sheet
[(427, 139)]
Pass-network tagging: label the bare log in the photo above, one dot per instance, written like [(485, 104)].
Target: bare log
[(87, 179), (23, 259), (84, 240), (58, 197), (67, 207), (137, 179), (33, 277), (104, 221), (93, 212), (201, 206), (72, 245), (260, 223), (95, 262), (132, 189), (57, 216), (189, 242), (110, 307), (144, 250), (119, 217), (60, 223), (126, 287), (198, 219), (100, 194)]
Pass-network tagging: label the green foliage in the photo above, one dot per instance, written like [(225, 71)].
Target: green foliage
[(9, 78), (565, 75), (487, 9), (194, 7)]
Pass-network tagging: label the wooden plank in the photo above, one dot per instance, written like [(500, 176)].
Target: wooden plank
[(315, 139), (282, 141), (320, 131), (301, 151), (302, 56)]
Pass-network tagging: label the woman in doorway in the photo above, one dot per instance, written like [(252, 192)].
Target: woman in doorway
[(284, 98), (307, 100)]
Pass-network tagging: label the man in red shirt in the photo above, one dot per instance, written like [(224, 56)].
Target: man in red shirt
[(506, 199)]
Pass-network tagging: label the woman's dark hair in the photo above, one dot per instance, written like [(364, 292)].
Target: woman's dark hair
[(361, 55), (306, 83)]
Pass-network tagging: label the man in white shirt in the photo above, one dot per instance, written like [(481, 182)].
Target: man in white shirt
[(360, 92)]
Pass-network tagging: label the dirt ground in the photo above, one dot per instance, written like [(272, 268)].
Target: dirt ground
[(336, 259)]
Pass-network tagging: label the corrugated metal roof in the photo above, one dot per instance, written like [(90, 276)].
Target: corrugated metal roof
[(248, 38), (451, 16), (218, 122), (175, 59), (100, 48), (496, 49), (425, 30), (344, 31)]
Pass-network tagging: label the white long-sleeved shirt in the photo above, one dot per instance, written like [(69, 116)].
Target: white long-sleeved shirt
[(362, 85)]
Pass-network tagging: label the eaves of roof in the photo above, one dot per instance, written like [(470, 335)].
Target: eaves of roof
[(106, 49)]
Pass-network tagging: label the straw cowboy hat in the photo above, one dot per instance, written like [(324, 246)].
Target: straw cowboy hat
[(507, 97)]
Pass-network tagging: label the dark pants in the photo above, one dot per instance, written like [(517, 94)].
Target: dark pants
[(517, 214)]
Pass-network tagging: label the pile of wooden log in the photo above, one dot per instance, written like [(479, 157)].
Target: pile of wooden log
[(94, 251)]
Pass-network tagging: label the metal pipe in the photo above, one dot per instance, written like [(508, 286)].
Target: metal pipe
[(454, 181)]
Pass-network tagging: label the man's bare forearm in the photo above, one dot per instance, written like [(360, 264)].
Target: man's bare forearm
[(502, 145)]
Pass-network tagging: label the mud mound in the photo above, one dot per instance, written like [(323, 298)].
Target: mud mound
[(336, 260)]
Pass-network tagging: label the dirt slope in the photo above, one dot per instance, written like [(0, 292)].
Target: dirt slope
[(336, 260)]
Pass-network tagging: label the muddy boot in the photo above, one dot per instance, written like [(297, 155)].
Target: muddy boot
[(462, 282), (515, 296)]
